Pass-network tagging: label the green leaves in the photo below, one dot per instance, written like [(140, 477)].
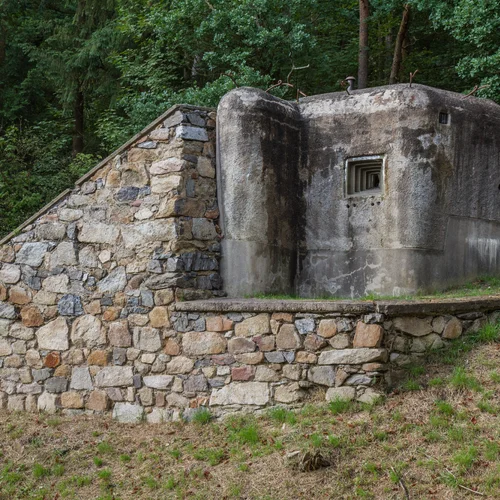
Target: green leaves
[(476, 24), (121, 63)]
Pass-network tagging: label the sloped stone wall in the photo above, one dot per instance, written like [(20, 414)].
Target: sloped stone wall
[(85, 287)]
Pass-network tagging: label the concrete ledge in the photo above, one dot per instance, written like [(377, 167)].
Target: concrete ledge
[(387, 307)]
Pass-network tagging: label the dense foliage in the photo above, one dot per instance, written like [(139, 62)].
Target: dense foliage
[(79, 77)]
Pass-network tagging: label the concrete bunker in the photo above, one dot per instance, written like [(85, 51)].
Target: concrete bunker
[(387, 190)]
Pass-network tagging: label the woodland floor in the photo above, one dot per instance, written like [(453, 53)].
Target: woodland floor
[(437, 437)]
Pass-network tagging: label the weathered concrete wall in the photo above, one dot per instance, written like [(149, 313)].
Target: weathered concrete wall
[(435, 221), (259, 154)]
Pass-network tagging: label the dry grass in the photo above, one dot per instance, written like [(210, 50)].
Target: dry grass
[(435, 441)]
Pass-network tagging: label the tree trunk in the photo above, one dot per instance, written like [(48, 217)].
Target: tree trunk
[(79, 124), (388, 54), (398, 49), (3, 44), (364, 12)]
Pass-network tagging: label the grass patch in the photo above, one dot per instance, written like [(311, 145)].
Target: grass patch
[(40, 471), (282, 415), (334, 441), (175, 453), (339, 405), (481, 286), (492, 451), (411, 385), (202, 416), (465, 458), (445, 408), (487, 407), (460, 379), (243, 430), (104, 474), (316, 440), (151, 482), (213, 456), (58, 470), (456, 434), (104, 447), (170, 484), (436, 382)]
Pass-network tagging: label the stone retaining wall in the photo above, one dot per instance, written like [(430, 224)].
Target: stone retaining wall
[(212, 356)]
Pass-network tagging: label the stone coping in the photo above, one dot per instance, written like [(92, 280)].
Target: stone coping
[(388, 307)]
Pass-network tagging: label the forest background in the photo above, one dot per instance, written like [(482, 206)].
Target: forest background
[(80, 77)]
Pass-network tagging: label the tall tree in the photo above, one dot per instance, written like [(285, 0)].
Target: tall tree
[(398, 49), (475, 24), (73, 58), (364, 13)]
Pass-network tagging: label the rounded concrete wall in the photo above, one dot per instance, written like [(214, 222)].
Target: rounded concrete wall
[(258, 189)]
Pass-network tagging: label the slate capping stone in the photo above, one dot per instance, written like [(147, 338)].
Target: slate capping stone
[(419, 307), (274, 305)]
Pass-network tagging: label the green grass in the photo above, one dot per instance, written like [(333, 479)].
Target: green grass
[(170, 484), (415, 370), (411, 385), (58, 470), (175, 453), (151, 482), (202, 416), (104, 447), (487, 407), (213, 456), (282, 415), (444, 408), (243, 430), (456, 434), (339, 405), (460, 379), (466, 457), (380, 435), (334, 441), (40, 471), (438, 421), (436, 382), (104, 474), (492, 451), (81, 481), (316, 440)]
